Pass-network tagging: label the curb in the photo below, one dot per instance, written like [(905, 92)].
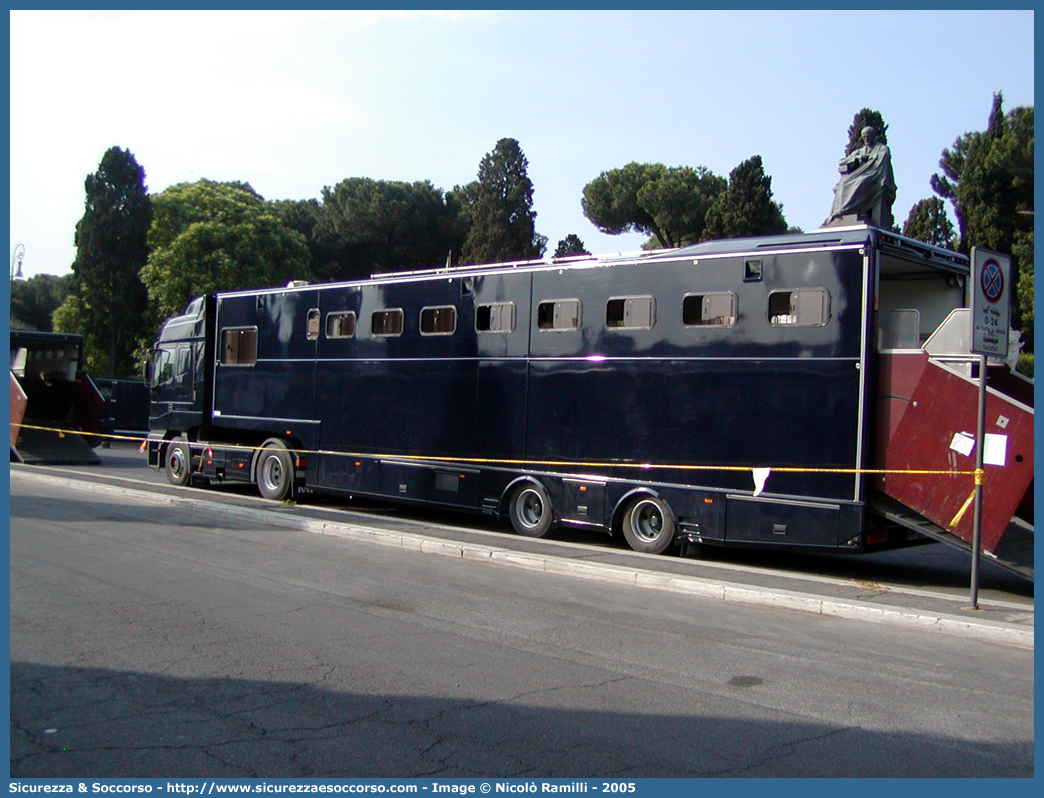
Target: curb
[(773, 598)]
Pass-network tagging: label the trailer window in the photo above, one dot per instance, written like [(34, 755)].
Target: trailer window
[(239, 346), (559, 314), (632, 313), (752, 270), (340, 325), (498, 317), (440, 320), (711, 309), (386, 322), (802, 307), (312, 326)]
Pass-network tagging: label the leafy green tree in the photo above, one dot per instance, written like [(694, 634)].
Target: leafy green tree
[(68, 317), (1022, 252), (610, 201), (746, 207), (33, 301), (365, 226), (570, 246), (500, 207), (302, 216), (111, 248), (988, 175), (209, 236), (669, 204), (679, 200), (929, 222)]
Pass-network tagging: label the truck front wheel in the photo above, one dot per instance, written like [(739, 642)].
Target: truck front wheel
[(178, 462)]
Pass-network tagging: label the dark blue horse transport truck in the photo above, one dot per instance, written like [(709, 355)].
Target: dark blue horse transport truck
[(756, 392)]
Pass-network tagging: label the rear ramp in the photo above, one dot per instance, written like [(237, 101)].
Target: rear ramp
[(1014, 552), (927, 420), (18, 405), (52, 447)]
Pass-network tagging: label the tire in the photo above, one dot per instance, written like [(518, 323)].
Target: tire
[(275, 473), (648, 525), (177, 462), (530, 510)]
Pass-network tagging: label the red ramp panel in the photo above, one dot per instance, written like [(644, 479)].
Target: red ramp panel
[(933, 429), (18, 403)]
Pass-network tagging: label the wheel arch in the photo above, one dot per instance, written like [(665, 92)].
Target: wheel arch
[(190, 435)]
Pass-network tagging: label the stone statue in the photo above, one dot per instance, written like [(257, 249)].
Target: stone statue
[(866, 190)]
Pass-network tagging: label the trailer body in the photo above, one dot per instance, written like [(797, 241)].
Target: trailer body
[(726, 393)]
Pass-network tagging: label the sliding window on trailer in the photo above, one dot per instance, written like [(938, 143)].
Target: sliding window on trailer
[(913, 298)]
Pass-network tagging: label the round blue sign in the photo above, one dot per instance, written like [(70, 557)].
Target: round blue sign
[(991, 278)]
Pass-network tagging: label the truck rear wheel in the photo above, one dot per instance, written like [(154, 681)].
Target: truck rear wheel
[(530, 510), (648, 525), (178, 462), (275, 473)]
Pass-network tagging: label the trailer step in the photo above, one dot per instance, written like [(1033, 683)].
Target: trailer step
[(1014, 552), (44, 447)]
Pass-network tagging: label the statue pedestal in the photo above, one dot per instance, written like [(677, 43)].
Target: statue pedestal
[(848, 220), (877, 215)]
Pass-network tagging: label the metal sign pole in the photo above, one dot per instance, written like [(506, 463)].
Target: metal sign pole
[(980, 436), (990, 322)]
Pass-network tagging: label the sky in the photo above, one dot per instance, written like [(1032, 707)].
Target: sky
[(291, 102)]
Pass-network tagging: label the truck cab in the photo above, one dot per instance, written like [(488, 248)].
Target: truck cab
[(176, 373)]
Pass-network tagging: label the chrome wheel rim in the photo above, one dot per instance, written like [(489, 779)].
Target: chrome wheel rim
[(272, 473), (176, 461), (530, 508), (647, 521)]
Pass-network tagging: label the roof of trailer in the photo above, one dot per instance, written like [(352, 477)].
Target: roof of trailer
[(835, 236), (838, 235), (824, 237)]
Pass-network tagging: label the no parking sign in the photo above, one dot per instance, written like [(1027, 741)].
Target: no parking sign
[(991, 302)]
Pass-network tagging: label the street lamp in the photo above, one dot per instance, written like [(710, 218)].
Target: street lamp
[(16, 262)]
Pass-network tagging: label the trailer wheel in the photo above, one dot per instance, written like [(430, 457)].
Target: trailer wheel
[(275, 473), (178, 462), (530, 510), (648, 525)]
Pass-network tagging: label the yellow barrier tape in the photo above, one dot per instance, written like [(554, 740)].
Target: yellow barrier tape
[(964, 508), (978, 474)]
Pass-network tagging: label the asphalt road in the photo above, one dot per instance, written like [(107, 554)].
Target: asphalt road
[(150, 641)]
